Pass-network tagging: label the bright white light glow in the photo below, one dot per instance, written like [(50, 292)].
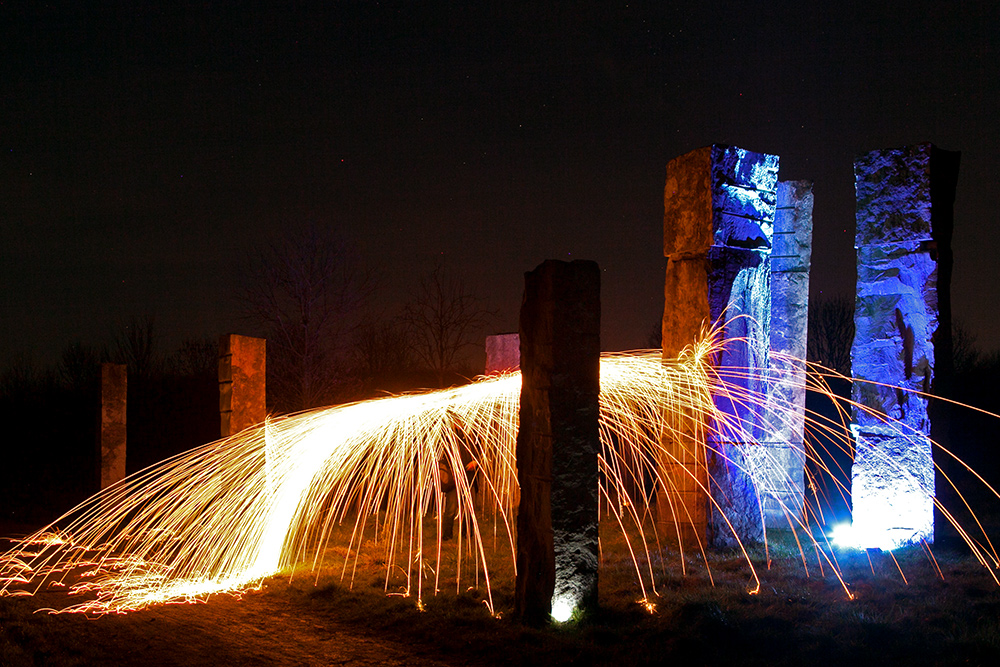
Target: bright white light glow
[(562, 609), (842, 536), (892, 494)]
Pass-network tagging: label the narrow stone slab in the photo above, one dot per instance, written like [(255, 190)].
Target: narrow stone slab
[(902, 327), (784, 481), (719, 208), (558, 441), (242, 382), (113, 432), (503, 353)]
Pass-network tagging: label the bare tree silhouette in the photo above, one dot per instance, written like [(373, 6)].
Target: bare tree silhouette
[(303, 292), (443, 319), (831, 332), (135, 345)]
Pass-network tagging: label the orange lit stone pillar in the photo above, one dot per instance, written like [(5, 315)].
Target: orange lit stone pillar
[(719, 208), (242, 367), (112, 435)]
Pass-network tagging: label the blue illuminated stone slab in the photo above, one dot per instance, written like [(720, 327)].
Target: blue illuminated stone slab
[(791, 254), (902, 329), (892, 493)]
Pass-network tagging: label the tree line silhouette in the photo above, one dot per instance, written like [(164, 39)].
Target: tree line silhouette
[(312, 301)]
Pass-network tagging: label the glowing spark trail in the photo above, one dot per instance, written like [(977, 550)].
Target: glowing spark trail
[(226, 515)]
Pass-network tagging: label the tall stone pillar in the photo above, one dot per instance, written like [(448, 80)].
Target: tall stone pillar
[(242, 372), (719, 208), (784, 480), (503, 353), (112, 432), (558, 441), (902, 326)]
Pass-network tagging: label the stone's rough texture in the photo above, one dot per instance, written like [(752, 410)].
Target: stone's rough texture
[(902, 325), (740, 294), (719, 195), (242, 371), (719, 208), (744, 197), (112, 435), (558, 440), (783, 483), (503, 353)]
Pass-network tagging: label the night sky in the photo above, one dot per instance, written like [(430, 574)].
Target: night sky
[(143, 150)]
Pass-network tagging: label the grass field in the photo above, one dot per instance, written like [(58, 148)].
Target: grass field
[(800, 615)]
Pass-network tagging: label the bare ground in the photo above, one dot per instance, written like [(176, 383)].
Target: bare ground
[(259, 629), (795, 618)]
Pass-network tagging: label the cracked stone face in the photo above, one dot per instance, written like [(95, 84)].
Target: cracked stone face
[(904, 200), (783, 465), (719, 214), (558, 440)]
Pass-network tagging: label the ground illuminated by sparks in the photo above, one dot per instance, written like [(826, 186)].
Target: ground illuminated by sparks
[(226, 515)]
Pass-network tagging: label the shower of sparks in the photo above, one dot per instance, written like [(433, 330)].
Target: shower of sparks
[(224, 516)]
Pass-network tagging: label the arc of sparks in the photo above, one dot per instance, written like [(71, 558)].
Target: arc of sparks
[(226, 515)]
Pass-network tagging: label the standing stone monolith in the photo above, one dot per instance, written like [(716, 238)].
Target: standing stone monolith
[(113, 431), (503, 353), (784, 474), (719, 208), (558, 441), (902, 325), (242, 373)]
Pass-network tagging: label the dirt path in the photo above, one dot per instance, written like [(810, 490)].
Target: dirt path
[(257, 630)]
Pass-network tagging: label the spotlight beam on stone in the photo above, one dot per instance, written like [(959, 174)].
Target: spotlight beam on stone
[(902, 331), (558, 441)]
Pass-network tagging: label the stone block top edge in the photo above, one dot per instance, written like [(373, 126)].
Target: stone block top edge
[(719, 195), (795, 193), (904, 193), (745, 169), (744, 196)]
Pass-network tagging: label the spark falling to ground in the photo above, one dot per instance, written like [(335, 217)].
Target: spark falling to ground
[(226, 515)]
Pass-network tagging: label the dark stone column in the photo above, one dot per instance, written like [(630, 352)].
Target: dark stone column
[(784, 482), (112, 435), (503, 353), (242, 373), (719, 208), (902, 334), (558, 440)]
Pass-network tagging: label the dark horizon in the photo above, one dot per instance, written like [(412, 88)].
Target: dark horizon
[(146, 149)]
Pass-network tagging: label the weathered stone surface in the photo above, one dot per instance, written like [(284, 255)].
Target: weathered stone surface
[(112, 435), (904, 194), (784, 483), (558, 440), (719, 195), (904, 222), (242, 373), (719, 208), (740, 294), (503, 353)]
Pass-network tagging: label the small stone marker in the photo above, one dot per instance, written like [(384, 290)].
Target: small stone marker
[(558, 441), (242, 372), (112, 436), (503, 353)]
